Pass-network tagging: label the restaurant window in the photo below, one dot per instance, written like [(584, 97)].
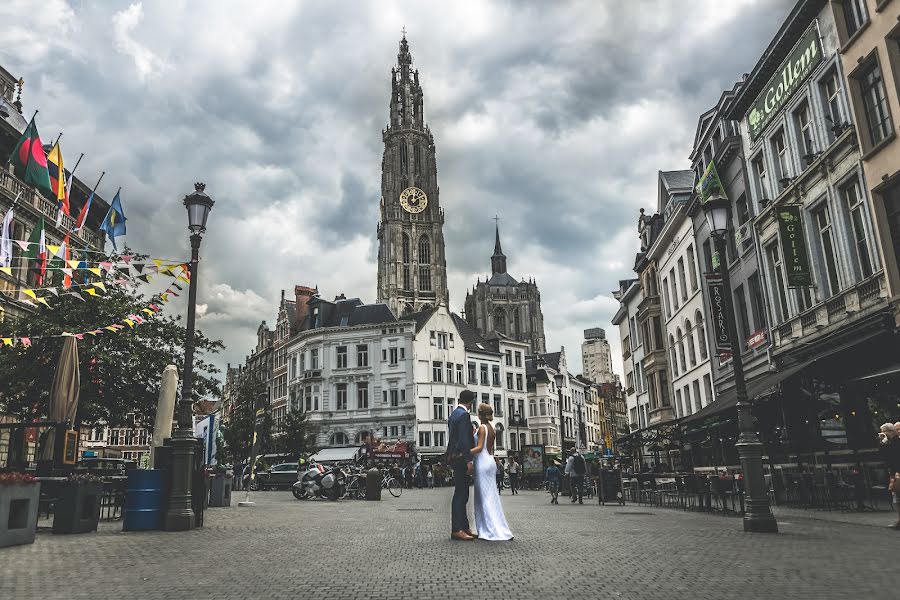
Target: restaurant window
[(779, 299), (826, 247), (692, 268), (878, 125), (855, 208)]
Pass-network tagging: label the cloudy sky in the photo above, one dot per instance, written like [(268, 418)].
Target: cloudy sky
[(554, 115)]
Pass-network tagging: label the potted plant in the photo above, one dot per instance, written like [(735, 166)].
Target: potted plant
[(78, 507), (19, 495)]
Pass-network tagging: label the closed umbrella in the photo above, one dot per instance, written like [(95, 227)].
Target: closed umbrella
[(65, 391)]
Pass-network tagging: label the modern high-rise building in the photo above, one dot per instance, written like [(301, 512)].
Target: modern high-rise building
[(412, 267), (596, 363)]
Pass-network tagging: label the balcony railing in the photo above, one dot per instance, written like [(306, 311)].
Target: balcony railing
[(11, 186), (842, 308)]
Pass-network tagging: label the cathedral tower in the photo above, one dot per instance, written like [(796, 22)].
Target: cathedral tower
[(412, 267)]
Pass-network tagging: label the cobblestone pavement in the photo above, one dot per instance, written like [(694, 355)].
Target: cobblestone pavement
[(399, 548)]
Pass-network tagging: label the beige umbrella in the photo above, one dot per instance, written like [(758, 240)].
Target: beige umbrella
[(65, 391)]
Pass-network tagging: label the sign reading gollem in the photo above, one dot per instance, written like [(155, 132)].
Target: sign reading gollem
[(710, 183), (804, 57), (793, 246), (715, 289)]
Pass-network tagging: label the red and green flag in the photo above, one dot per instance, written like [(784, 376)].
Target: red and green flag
[(29, 156)]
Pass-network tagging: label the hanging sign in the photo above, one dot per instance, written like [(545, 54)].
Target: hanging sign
[(715, 288), (799, 64), (793, 246), (710, 183)]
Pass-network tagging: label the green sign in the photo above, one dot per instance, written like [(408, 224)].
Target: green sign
[(793, 246), (807, 53), (710, 183)]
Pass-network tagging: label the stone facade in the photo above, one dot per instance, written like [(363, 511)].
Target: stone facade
[(412, 266), (596, 358), (503, 305)]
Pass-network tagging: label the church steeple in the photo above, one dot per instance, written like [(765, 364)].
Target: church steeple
[(498, 260), (407, 103)]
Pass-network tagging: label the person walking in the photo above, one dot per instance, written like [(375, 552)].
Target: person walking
[(500, 474), (890, 452), (552, 477), (513, 468), (430, 476), (576, 476)]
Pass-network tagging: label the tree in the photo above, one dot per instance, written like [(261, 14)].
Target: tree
[(239, 429), (298, 435), (120, 372)]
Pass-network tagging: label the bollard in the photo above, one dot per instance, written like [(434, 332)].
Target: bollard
[(373, 484)]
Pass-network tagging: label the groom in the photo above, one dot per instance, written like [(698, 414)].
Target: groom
[(459, 454)]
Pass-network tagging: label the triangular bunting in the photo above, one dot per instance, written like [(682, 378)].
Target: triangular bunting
[(26, 342), (95, 271), (100, 285), (7, 270), (43, 301), (91, 291), (29, 292), (53, 291)]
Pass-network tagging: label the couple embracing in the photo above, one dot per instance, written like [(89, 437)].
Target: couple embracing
[(473, 455)]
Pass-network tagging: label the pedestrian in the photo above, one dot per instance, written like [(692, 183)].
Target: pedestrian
[(576, 475), (430, 475), (513, 468), (890, 451), (500, 473), (552, 477)]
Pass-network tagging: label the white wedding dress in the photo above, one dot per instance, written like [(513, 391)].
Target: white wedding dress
[(490, 522)]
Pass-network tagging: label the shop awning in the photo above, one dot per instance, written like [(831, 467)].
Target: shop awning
[(336, 454), (757, 387)]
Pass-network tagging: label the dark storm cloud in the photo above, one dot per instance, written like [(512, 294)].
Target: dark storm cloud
[(555, 116)]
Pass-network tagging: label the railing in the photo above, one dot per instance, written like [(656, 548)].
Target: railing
[(836, 307)]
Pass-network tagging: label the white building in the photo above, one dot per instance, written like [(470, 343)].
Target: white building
[(637, 400), (596, 358), (351, 369), (549, 383)]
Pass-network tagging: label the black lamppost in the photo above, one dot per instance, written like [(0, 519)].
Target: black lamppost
[(518, 421), (180, 516), (562, 419), (758, 515)]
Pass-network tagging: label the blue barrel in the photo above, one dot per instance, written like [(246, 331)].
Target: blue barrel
[(143, 500)]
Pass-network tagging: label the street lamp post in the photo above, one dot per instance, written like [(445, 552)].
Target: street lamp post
[(180, 516), (758, 515), (562, 418)]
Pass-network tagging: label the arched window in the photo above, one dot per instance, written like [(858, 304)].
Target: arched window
[(673, 358), (681, 361), (692, 354), (701, 336), (424, 264), (404, 158), (500, 321), (498, 444), (407, 282), (339, 438), (363, 437), (517, 326), (532, 407)]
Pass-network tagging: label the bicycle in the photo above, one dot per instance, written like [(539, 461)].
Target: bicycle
[(390, 483)]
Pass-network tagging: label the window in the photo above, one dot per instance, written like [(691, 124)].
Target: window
[(449, 372), (341, 396), (442, 340), (543, 407), (484, 374), (451, 340), (742, 210), (701, 335), (681, 360), (855, 210), (707, 256), (779, 154), (509, 381), (362, 355), (740, 305), (472, 376), (826, 240), (875, 108), (362, 395), (314, 358), (692, 268), (759, 176), (437, 369), (498, 405), (499, 439), (854, 13), (433, 338), (891, 198), (459, 374), (682, 280), (804, 133), (696, 385), (519, 382), (495, 375), (756, 302), (666, 305), (692, 354), (395, 431), (687, 400), (518, 359), (707, 387), (532, 408), (342, 357), (779, 299), (424, 264), (673, 355), (407, 282), (393, 355), (508, 358), (395, 399), (425, 439), (439, 438), (831, 91), (438, 409), (674, 285)]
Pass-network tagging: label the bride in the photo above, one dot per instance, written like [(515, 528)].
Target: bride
[(490, 521)]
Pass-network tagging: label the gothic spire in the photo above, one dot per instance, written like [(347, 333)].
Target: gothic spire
[(407, 104), (498, 260)]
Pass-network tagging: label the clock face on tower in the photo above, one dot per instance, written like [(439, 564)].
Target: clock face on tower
[(413, 200)]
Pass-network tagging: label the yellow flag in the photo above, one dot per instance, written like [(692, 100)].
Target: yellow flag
[(100, 285), (164, 297), (73, 264), (95, 271), (91, 291), (29, 292), (130, 323), (148, 311), (110, 328), (43, 301), (7, 270), (54, 250), (7, 341)]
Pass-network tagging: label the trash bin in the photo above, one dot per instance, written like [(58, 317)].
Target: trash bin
[(143, 500), (373, 484), (220, 489)]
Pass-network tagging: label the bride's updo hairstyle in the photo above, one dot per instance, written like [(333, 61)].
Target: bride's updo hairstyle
[(485, 412)]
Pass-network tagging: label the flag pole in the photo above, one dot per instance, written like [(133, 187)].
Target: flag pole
[(98, 182), (72, 174), (57, 138)]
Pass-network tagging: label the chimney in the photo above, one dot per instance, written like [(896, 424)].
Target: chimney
[(302, 295)]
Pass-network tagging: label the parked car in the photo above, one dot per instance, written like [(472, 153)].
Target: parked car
[(281, 476)]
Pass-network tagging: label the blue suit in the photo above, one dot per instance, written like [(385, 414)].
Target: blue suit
[(459, 452)]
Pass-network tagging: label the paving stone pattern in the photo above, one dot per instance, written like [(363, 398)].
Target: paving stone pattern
[(400, 548)]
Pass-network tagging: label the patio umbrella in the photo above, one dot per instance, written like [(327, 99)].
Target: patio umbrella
[(64, 392)]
